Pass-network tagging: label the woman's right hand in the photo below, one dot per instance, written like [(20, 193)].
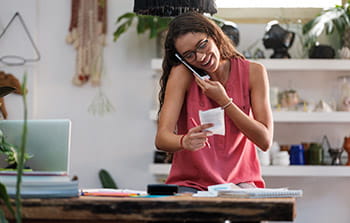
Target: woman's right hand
[(197, 137), (214, 90)]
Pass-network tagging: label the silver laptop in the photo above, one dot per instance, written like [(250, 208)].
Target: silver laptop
[(47, 140)]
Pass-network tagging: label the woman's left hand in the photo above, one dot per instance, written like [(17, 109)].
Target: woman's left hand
[(214, 90)]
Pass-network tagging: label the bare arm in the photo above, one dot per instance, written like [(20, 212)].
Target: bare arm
[(166, 138), (258, 129)]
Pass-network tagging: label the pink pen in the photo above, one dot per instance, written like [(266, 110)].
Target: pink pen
[(195, 124)]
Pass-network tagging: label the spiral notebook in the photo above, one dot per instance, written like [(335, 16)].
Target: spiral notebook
[(260, 193), (232, 190)]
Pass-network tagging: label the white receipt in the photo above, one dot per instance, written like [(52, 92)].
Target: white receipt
[(216, 117)]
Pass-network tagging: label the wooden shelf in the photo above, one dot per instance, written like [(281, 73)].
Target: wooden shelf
[(299, 117), (315, 117), (306, 64), (289, 64), (162, 170)]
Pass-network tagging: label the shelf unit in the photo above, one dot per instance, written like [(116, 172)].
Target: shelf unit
[(294, 65), (331, 66), (289, 64), (298, 117), (306, 117), (162, 170)]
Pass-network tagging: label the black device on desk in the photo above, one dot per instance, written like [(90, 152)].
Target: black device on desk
[(198, 72), (162, 189)]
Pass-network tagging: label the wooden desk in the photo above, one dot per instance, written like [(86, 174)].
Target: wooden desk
[(164, 209)]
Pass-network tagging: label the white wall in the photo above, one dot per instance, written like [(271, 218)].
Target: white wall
[(122, 141)]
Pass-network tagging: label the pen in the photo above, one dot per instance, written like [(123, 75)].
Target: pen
[(195, 124), (110, 194)]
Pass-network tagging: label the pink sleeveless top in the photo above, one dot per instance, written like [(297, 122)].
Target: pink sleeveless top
[(232, 158)]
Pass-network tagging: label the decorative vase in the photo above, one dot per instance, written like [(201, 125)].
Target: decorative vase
[(336, 155)]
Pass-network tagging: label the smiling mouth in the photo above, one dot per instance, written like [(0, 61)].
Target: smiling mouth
[(208, 62)]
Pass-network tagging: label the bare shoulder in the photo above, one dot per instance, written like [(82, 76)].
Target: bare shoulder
[(257, 73), (256, 67), (180, 76)]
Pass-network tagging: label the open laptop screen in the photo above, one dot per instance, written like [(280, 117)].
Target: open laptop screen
[(47, 140)]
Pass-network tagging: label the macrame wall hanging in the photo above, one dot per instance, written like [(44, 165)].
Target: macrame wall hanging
[(87, 32)]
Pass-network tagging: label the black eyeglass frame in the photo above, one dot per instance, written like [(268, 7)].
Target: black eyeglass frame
[(197, 49)]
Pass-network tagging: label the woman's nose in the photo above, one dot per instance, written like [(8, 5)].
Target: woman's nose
[(200, 56)]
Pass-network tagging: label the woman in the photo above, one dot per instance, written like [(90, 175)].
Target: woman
[(238, 86)]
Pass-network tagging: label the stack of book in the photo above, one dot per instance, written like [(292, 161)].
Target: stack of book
[(40, 184)]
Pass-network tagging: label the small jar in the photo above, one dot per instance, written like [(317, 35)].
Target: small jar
[(344, 93), (315, 154), (296, 154), (281, 159)]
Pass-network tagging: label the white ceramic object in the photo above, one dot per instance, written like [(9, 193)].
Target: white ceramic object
[(281, 159), (322, 106), (264, 157), (344, 53)]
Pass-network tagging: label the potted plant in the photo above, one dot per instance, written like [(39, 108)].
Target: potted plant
[(11, 152), (154, 24), (330, 21), (157, 27)]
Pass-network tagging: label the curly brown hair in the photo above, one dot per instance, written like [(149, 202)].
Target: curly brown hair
[(192, 22)]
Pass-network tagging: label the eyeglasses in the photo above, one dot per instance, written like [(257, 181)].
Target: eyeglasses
[(191, 56)]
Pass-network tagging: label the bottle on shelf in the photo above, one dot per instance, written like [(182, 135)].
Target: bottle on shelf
[(315, 154), (297, 154), (344, 94)]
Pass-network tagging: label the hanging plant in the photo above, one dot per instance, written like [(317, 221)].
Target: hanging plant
[(154, 24)]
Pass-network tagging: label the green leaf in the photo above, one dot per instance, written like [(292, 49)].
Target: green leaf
[(128, 16), (148, 21), (4, 196), (163, 23), (154, 24), (2, 217), (153, 30), (121, 29), (106, 179), (141, 25)]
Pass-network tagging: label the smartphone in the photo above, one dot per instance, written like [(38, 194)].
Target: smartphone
[(198, 72)]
